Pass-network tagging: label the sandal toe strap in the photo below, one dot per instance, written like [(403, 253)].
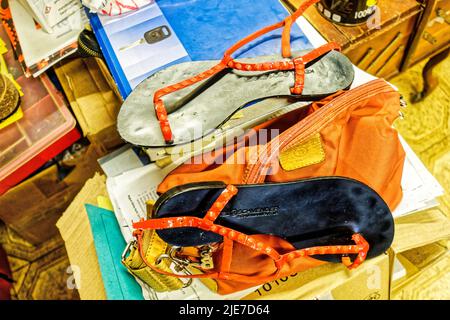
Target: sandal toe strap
[(361, 246)]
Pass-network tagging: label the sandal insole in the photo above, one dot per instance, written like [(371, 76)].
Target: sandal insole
[(312, 212), (197, 110)]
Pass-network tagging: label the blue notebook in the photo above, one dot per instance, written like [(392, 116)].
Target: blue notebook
[(109, 245), (199, 30)]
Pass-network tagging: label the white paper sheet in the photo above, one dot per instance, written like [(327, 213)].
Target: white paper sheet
[(48, 13), (119, 161), (420, 187), (38, 45)]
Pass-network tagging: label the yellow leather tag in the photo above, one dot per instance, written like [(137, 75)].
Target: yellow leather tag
[(305, 154)]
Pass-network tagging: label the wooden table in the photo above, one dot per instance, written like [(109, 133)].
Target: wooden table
[(431, 40), (378, 47)]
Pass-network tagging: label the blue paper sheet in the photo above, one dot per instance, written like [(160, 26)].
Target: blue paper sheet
[(109, 245), (209, 27)]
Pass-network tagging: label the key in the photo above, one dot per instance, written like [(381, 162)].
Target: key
[(150, 37)]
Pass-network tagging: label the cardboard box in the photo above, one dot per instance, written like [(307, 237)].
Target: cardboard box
[(419, 229), (427, 274), (76, 231), (33, 207), (421, 246), (332, 281), (94, 99)]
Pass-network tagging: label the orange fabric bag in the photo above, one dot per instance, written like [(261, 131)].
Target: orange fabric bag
[(351, 135)]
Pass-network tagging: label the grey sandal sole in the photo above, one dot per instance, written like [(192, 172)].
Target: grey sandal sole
[(198, 110)]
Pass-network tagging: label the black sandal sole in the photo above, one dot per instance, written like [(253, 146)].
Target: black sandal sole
[(312, 212)]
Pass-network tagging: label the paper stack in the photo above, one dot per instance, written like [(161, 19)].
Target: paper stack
[(43, 31), (49, 13)]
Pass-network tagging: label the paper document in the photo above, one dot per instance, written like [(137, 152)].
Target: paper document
[(121, 160), (420, 187), (48, 13), (40, 47), (129, 193)]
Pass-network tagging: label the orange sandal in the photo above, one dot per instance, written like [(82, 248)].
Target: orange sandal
[(207, 93), (327, 219)]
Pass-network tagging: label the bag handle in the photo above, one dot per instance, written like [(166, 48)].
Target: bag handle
[(206, 223)]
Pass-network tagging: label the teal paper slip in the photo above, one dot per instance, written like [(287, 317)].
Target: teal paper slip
[(109, 245)]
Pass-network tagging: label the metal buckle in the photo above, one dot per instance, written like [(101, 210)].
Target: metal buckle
[(206, 258), (127, 249), (179, 264)]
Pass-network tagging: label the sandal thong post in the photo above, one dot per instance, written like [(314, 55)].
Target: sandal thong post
[(192, 99), (325, 211)]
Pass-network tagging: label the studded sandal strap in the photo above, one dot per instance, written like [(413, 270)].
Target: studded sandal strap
[(297, 64), (301, 62), (286, 35), (361, 246)]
